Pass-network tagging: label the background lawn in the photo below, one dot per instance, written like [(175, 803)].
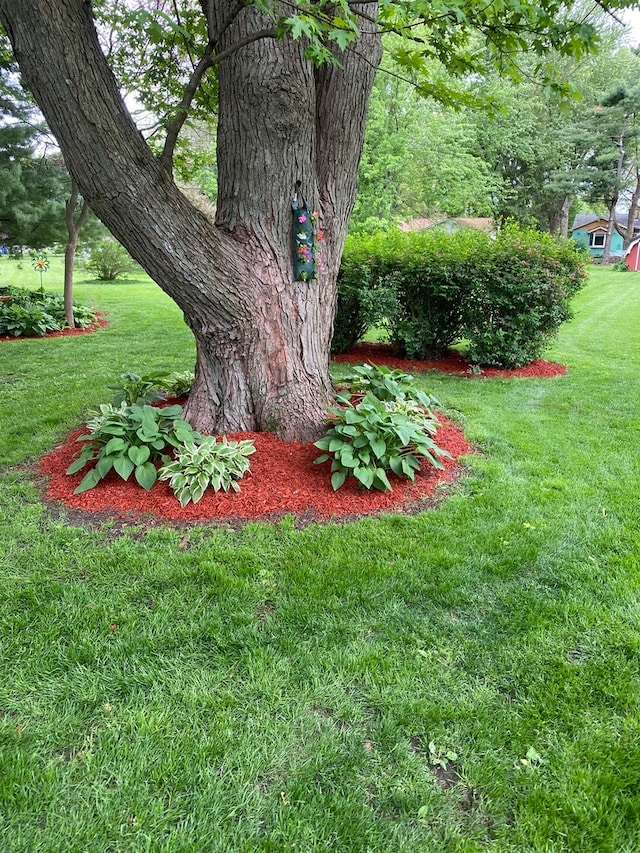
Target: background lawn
[(273, 689)]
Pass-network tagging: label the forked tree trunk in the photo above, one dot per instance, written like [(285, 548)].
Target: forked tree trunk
[(262, 339)]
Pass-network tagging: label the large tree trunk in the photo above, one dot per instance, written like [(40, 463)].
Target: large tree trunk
[(262, 338)]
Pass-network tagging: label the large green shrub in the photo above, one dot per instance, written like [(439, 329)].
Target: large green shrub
[(430, 280), (518, 295), (365, 292), (507, 296), (410, 281)]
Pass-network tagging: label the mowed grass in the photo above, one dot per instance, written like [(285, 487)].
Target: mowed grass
[(275, 689)]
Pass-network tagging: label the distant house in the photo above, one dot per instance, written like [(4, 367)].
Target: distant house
[(590, 230)]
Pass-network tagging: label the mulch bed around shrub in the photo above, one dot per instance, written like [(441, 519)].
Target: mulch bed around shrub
[(284, 479), (101, 323), (453, 362)]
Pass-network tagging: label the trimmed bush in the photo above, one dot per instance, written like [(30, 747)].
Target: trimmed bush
[(366, 295), (431, 282), (518, 295), (507, 296)]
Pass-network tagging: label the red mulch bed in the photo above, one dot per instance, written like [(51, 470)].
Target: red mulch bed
[(283, 478), (101, 323), (453, 362)]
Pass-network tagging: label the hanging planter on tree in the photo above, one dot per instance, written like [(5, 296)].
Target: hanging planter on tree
[(304, 237)]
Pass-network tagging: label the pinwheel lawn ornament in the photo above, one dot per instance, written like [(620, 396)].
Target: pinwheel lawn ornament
[(40, 263)]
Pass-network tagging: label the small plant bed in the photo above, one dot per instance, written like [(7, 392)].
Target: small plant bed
[(283, 480), (101, 322), (38, 314), (453, 362)]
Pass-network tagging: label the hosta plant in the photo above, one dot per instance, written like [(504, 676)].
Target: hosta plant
[(386, 384), (376, 436), (134, 389), (34, 313), (130, 440), (179, 384), (215, 464)]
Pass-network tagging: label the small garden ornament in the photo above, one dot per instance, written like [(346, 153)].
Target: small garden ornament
[(304, 237)]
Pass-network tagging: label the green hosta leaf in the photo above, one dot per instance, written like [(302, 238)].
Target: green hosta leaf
[(123, 466), (351, 416), (78, 464), (109, 428), (317, 461), (346, 458), (104, 465), (335, 444), (379, 447), (381, 480), (114, 445), (150, 417), (404, 435), (365, 476), (91, 480), (146, 475), (396, 465), (183, 431), (337, 480), (350, 430), (172, 412), (139, 455)]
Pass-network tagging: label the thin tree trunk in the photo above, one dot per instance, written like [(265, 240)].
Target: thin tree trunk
[(560, 223), (74, 226), (262, 338), (634, 207), (613, 201)]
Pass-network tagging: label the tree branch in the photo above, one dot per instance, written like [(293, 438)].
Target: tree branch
[(207, 61)]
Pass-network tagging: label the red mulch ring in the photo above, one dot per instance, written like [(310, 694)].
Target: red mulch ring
[(101, 323), (453, 362), (283, 480)]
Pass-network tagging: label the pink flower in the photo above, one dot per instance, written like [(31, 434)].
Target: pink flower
[(302, 218)]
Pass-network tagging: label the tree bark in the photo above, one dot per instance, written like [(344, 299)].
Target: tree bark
[(560, 219), (74, 226), (262, 339)]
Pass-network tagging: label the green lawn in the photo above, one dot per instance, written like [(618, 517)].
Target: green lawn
[(274, 689)]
